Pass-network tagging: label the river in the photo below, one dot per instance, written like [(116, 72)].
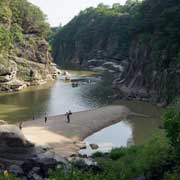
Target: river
[(57, 97)]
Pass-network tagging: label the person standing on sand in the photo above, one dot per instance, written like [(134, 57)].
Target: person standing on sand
[(20, 125), (45, 119), (68, 116)]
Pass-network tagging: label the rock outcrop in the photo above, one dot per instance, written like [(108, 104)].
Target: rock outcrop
[(137, 42), (24, 51), (23, 158)]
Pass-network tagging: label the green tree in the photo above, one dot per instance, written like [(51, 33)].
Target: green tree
[(5, 39), (172, 126)]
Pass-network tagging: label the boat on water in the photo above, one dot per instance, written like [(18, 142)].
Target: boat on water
[(67, 76)]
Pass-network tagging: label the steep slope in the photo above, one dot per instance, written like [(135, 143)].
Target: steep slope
[(139, 42), (153, 71), (100, 33), (24, 56)]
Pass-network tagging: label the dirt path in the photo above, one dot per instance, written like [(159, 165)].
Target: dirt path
[(66, 139)]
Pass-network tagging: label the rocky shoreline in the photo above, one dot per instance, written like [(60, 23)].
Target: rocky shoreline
[(11, 78), (29, 161)]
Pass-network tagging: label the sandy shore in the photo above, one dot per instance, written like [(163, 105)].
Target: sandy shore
[(66, 139)]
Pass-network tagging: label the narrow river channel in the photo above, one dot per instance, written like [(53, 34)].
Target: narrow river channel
[(58, 97)]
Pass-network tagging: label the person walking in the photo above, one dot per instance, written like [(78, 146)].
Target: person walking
[(68, 116)]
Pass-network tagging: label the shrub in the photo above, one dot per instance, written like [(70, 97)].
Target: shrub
[(172, 126)]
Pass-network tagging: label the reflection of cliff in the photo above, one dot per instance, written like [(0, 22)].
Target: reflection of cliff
[(142, 128), (22, 106)]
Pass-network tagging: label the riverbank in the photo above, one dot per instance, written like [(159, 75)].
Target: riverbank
[(66, 139)]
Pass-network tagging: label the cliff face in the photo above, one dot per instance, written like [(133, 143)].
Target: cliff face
[(96, 33), (144, 80), (154, 71), (24, 55), (139, 43)]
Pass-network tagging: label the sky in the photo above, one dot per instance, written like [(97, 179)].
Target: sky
[(62, 11)]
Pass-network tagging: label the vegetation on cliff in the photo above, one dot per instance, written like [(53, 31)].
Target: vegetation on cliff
[(95, 33), (112, 29), (23, 34), (17, 19)]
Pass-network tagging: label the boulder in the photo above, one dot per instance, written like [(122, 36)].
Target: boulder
[(113, 66), (11, 136), (7, 67), (23, 158), (94, 146), (2, 122), (95, 62), (16, 170)]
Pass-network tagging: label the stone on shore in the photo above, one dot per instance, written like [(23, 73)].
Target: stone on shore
[(2, 122), (94, 146), (23, 158)]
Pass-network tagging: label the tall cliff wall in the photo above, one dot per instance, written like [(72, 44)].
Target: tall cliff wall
[(138, 42)]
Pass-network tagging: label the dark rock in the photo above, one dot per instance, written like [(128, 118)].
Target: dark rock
[(11, 136), (29, 160), (2, 122), (16, 170), (33, 176), (94, 146)]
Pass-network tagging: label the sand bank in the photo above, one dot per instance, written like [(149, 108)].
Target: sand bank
[(66, 139)]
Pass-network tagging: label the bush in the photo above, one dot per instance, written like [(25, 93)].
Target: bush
[(151, 159), (5, 39), (117, 153), (172, 126)]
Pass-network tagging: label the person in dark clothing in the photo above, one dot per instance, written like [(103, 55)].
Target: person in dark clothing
[(68, 116), (33, 117), (45, 119), (20, 125)]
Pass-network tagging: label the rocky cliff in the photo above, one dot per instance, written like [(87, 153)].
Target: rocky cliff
[(24, 54), (138, 42), (96, 33), (153, 72)]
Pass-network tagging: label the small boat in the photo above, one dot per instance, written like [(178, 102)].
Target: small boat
[(67, 76)]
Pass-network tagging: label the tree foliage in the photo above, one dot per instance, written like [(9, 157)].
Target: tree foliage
[(17, 18), (172, 125)]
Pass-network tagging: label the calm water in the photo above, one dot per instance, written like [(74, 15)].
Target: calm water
[(52, 99), (58, 97), (135, 130)]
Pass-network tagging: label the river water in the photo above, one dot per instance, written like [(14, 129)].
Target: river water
[(51, 99), (58, 97)]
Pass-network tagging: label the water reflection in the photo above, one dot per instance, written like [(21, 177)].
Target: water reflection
[(117, 135), (134, 130), (52, 99)]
